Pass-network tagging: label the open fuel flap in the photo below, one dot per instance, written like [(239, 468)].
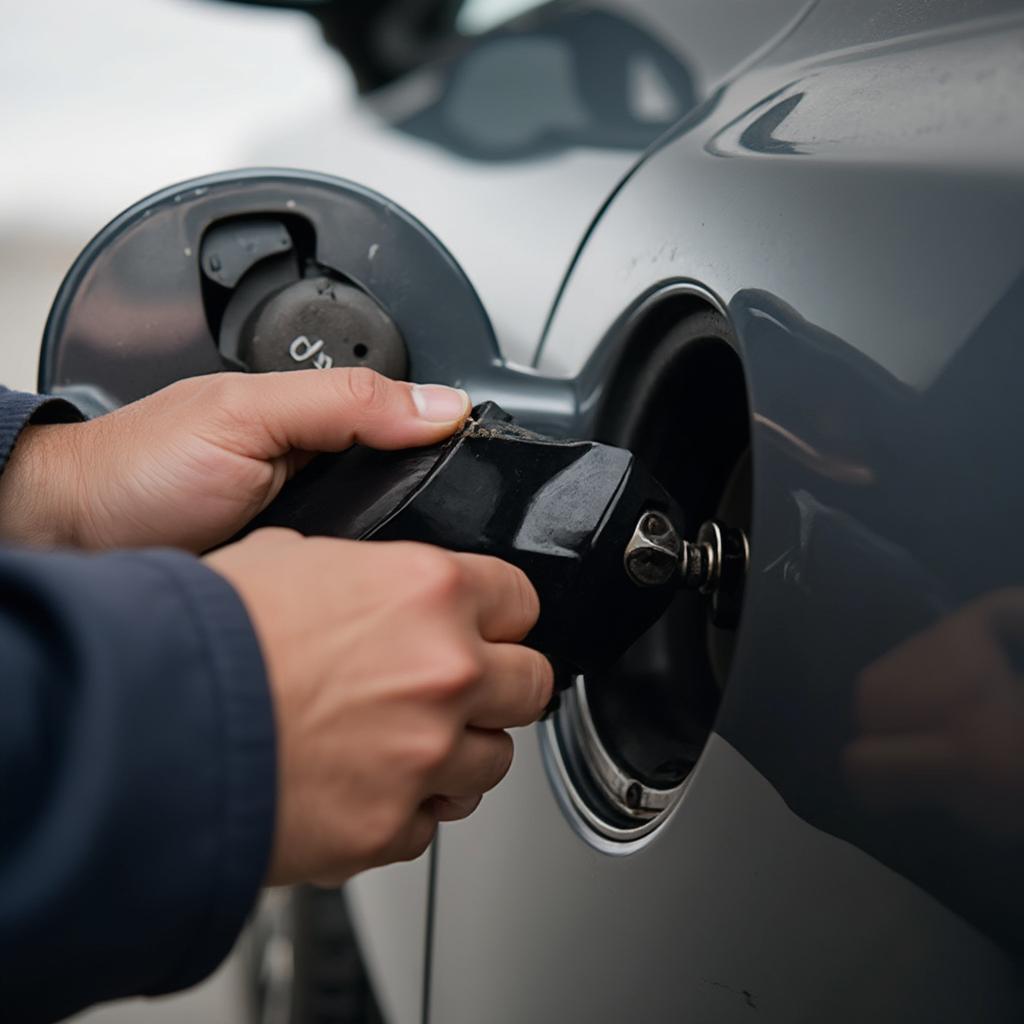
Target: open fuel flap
[(279, 270), (271, 270)]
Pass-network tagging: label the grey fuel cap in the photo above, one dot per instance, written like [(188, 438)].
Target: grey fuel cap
[(320, 322)]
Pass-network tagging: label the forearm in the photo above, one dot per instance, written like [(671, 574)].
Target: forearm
[(38, 488), (39, 470), (137, 776)]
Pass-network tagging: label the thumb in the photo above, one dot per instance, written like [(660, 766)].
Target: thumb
[(330, 410)]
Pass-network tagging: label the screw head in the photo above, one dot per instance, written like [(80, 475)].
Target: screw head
[(655, 524), (650, 567), (652, 555)]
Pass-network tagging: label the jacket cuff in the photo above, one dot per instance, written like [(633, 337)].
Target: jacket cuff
[(18, 409), (249, 764)]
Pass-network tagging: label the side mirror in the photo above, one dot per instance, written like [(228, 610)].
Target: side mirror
[(380, 39)]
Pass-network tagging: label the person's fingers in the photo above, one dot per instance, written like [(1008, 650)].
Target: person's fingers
[(410, 841), (506, 602), (1003, 610), (516, 690), (452, 808), (479, 762), (417, 835), (888, 771), (927, 680), (330, 410)]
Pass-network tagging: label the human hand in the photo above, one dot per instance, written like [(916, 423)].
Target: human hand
[(941, 719), (393, 667), (190, 465)]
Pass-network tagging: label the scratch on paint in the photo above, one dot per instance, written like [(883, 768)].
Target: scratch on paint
[(748, 996)]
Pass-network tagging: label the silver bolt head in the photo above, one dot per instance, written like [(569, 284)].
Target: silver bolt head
[(652, 554)]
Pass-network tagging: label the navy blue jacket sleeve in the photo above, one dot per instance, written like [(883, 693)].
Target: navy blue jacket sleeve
[(137, 771)]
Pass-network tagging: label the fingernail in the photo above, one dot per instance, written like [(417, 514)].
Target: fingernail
[(440, 404)]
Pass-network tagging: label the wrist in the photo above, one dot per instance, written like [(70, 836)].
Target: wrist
[(40, 488)]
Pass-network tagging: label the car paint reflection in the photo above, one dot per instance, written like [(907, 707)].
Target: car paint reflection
[(586, 78), (888, 706)]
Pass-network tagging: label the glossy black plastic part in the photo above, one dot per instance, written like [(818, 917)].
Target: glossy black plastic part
[(563, 511)]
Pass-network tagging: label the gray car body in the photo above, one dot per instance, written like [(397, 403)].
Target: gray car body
[(850, 190)]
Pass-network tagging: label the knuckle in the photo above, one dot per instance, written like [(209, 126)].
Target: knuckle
[(364, 388), (229, 403), (439, 573), (452, 673), (223, 392), (431, 576), (429, 749), (462, 670)]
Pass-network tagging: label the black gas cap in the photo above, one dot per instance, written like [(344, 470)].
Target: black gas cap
[(320, 322)]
